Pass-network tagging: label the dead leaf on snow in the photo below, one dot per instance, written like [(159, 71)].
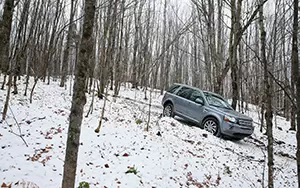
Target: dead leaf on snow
[(5, 185)]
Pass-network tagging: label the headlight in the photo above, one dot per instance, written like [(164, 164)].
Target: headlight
[(229, 119)]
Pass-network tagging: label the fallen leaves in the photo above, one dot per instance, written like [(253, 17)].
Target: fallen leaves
[(185, 166), (38, 155), (5, 186), (192, 181), (218, 180), (53, 131), (22, 184), (47, 158), (60, 112)]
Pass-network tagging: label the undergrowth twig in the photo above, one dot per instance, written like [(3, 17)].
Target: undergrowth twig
[(19, 127)]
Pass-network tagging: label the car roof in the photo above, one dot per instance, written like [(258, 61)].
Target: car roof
[(209, 92), (187, 86)]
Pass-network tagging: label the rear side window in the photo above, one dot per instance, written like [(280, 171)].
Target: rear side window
[(185, 92), (173, 88)]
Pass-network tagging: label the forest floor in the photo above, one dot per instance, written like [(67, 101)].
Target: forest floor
[(172, 153)]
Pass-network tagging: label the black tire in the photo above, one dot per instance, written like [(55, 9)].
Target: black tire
[(211, 125), (168, 110)]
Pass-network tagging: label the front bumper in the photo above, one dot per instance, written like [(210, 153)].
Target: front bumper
[(236, 130)]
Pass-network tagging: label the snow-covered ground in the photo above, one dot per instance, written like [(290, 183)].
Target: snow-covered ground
[(172, 154)]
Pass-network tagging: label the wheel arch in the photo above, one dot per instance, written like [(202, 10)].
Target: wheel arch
[(168, 102), (211, 116)]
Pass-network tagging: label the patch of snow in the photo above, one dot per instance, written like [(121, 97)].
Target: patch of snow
[(181, 155)]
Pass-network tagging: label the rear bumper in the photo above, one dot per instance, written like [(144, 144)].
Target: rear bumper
[(236, 130)]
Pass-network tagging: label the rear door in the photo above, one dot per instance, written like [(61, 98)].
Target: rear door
[(182, 100)]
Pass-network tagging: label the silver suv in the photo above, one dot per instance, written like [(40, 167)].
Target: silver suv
[(207, 109)]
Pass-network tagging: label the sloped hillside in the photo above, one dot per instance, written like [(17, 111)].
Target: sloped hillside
[(172, 154)]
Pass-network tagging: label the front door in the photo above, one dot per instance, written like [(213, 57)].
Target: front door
[(196, 106)]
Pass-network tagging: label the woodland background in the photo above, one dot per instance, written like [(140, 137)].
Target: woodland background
[(246, 50)]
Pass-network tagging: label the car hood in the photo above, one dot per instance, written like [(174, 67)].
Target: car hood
[(232, 113)]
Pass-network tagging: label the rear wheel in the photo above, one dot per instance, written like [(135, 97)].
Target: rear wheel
[(168, 110), (211, 125)]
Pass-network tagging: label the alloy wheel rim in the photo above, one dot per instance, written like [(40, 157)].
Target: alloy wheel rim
[(210, 126), (168, 111)]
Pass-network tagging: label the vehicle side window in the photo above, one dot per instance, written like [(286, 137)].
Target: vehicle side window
[(196, 95), (173, 88), (185, 92)]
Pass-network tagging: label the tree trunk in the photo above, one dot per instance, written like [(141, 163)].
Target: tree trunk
[(236, 16), (112, 43), (5, 108), (135, 47), (5, 29), (162, 63), (79, 98), (120, 53), (268, 100), (295, 64), (104, 49), (295, 67), (66, 55)]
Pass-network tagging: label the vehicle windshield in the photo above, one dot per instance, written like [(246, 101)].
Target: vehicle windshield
[(216, 101)]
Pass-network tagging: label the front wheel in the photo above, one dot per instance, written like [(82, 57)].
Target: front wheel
[(168, 110), (211, 125)]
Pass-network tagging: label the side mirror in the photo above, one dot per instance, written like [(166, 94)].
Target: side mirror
[(199, 101)]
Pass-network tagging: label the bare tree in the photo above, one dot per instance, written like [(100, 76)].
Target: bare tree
[(5, 29), (105, 48), (79, 98), (120, 53), (268, 101), (70, 35), (163, 49), (295, 64)]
